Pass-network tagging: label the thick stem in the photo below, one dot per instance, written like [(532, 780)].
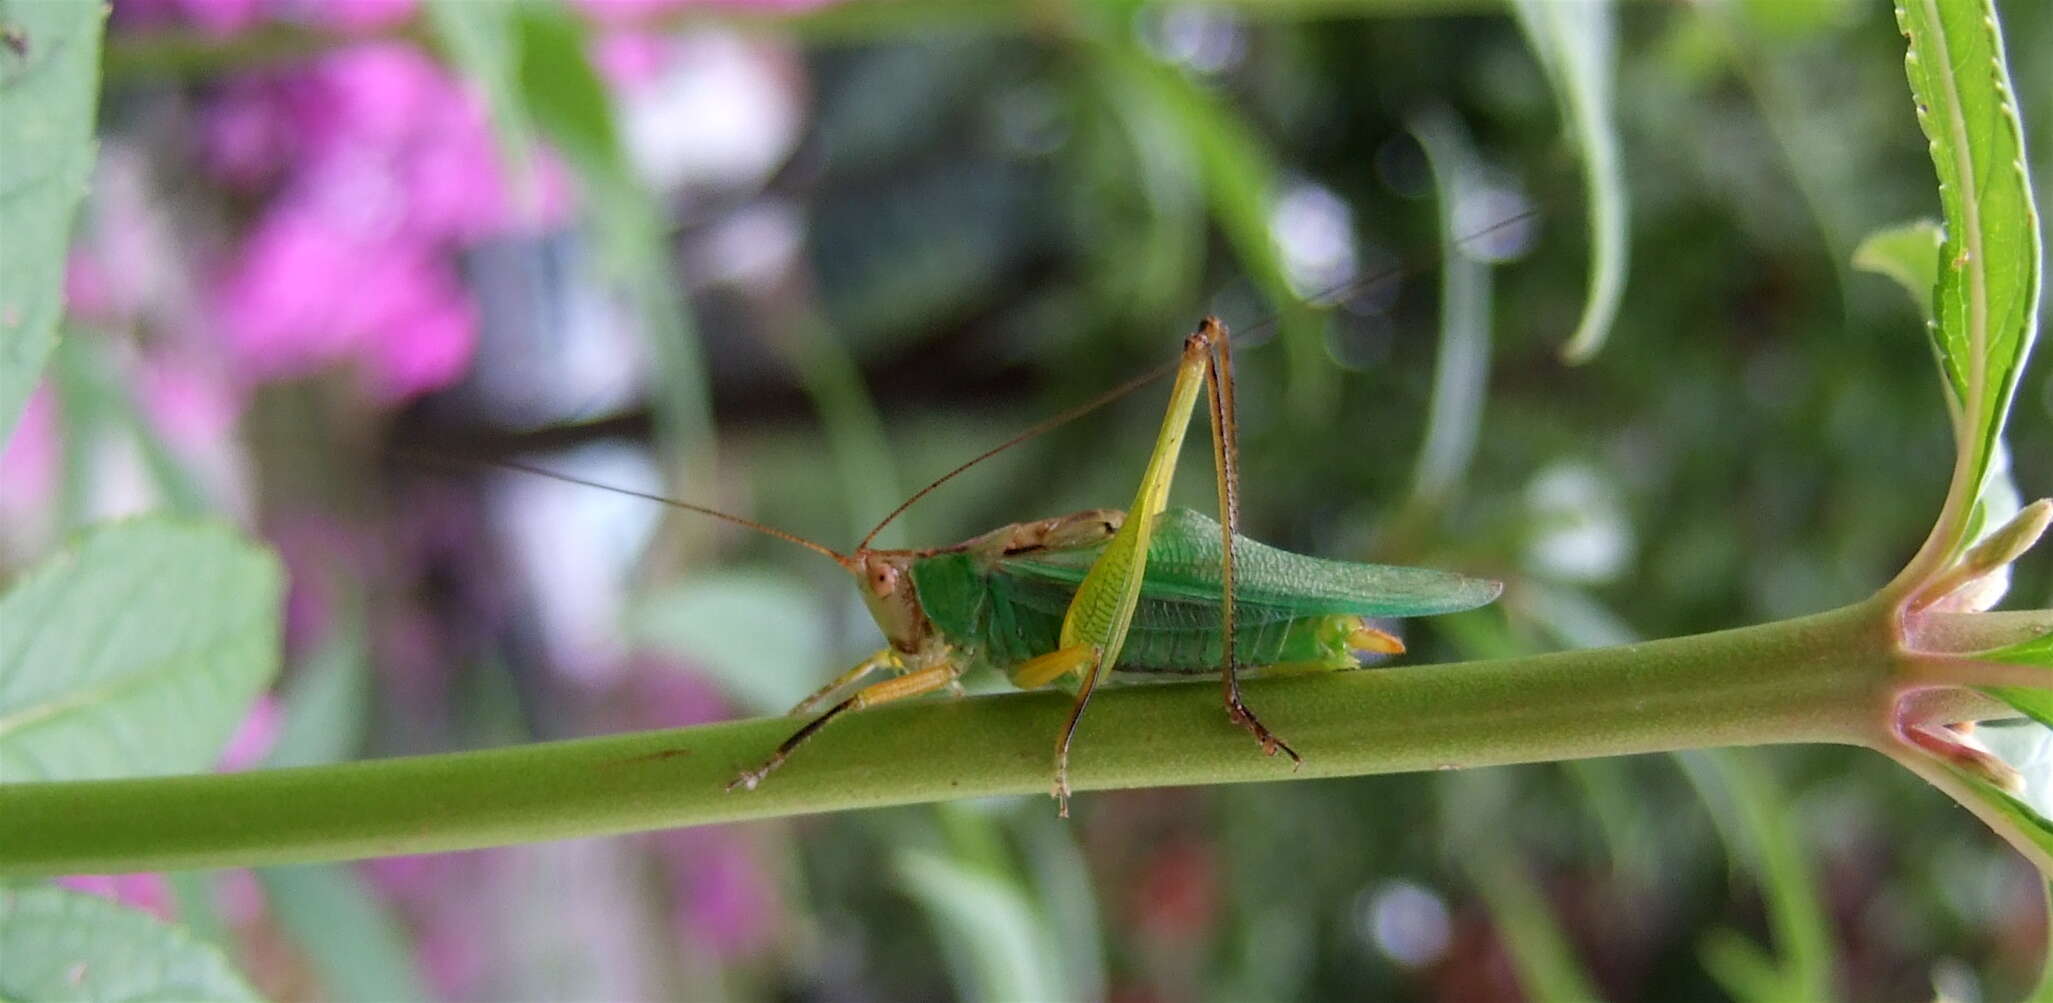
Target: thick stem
[(1817, 679)]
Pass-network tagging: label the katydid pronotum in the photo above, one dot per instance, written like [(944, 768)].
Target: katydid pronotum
[(1148, 590)]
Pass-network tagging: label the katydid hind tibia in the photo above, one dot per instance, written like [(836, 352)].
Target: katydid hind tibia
[(1148, 590)]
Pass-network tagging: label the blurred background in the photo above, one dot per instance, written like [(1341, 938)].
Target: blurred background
[(796, 259)]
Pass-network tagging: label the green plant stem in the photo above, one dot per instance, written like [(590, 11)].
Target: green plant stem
[(1824, 678)]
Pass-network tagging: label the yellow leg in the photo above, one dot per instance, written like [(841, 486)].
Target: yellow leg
[(884, 658), (911, 684), (1041, 670)]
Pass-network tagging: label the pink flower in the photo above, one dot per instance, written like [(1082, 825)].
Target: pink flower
[(435, 893), (148, 892), (320, 554), (362, 15), (28, 464), (255, 737), (384, 168), (186, 405), (227, 17), (669, 696), (250, 129), (92, 293), (627, 11), (304, 295), (725, 901), (722, 899), (629, 59), (631, 11), (220, 18)]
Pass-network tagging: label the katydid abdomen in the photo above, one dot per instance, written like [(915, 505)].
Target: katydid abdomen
[(1291, 609)]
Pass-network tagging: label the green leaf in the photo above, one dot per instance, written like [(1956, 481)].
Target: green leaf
[(2024, 816), (1986, 300), (49, 87), (481, 40), (564, 93), (1752, 816), (326, 704), (1577, 45), (62, 945), (1548, 969), (1069, 907), (1745, 971), (570, 107), (2037, 651), (856, 440), (758, 632), (352, 940), (1782, 19), (994, 920), (1907, 253), (1239, 178), (96, 403), (1461, 373), (135, 652), (2036, 704)]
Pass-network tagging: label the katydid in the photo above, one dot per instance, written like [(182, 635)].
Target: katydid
[(1147, 590)]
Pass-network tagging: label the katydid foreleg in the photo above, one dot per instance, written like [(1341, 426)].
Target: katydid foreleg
[(918, 682)]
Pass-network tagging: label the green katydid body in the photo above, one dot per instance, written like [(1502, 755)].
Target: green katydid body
[(1148, 590), (1003, 609)]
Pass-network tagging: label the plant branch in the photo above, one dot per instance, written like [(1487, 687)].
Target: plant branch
[(1968, 633), (1936, 773), (1823, 678)]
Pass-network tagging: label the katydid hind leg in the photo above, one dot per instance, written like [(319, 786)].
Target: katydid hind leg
[(1101, 611), (1225, 423)]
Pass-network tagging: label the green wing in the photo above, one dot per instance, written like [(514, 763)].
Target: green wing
[(1183, 565)]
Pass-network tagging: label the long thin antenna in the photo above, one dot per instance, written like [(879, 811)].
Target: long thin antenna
[(1340, 291), (1046, 425), (528, 468)]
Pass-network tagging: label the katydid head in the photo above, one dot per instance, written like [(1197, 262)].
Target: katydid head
[(884, 577)]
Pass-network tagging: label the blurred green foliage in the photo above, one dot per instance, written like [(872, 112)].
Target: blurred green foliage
[(999, 223), (1764, 423)]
